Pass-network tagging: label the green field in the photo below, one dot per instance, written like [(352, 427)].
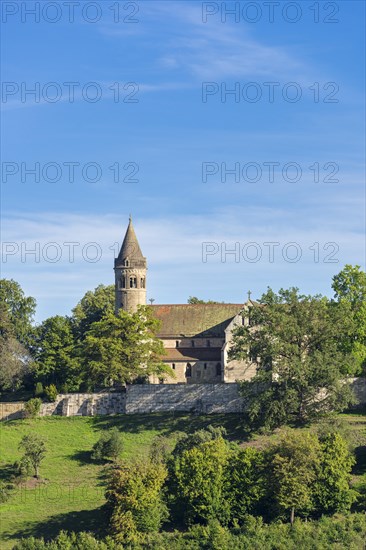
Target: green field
[(73, 490)]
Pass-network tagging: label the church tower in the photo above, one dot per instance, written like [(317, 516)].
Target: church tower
[(130, 273)]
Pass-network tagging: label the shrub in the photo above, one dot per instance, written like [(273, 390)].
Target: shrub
[(51, 392), (109, 445), (32, 407), (135, 498), (23, 467), (5, 490), (38, 391), (34, 451)]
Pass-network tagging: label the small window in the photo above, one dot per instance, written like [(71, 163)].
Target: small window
[(173, 366), (123, 282), (177, 343), (192, 343), (218, 369), (126, 262), (205, 366), (133, 282), (208, 343), (142, 282), (188, 370)]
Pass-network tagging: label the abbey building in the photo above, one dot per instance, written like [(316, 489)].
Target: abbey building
[(196, 337)]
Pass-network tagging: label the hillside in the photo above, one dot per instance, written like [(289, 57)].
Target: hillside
[(73, 489)]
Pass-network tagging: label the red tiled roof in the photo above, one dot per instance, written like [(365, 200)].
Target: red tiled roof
[(204, 320)]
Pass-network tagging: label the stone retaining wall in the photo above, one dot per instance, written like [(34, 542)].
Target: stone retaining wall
[(150, 398), (86, 404), (195, 398), (10, 411)]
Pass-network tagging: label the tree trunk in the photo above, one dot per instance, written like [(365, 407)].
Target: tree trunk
[(37, 471), (292, 517)]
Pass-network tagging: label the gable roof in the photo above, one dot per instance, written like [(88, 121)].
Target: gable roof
[(201, 320)]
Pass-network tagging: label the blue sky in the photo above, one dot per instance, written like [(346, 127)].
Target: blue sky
[(177, 130)]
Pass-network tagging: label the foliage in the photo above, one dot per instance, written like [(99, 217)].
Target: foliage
[(33, 407), (51, 393), (38, 390), (245, 484), (160, 449), (34, 450), (5, 490), (197, 481), (194, 300), (69, 541), (337, 532), (294, 342), (123, 347), (135, 499), (293, 466), (92, 308), (109, 445), (350, 289), (15, 359), (23, 467), (54, 349), (19, 308), (333, 492)]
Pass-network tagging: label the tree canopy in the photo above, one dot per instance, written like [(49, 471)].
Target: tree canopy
[(121, 348), (294, 341)]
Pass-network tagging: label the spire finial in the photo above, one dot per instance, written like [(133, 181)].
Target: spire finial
[(249, 295), (130, 217)]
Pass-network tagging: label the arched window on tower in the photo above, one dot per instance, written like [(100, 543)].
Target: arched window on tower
[(188, 370), (142, 282), (123, 282), (133, 282), (126, 262)]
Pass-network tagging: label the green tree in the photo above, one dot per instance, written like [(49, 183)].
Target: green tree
[(135, 500), (20, 309), (350, 289), (195, 300), (56, 361), (197, 482), (33, 407), (333, 490), (293, 466), (123, 347), (51, 393), (92, 308), (15, 359), (109, 445), (294, 342), (34, 450), (245, 484)]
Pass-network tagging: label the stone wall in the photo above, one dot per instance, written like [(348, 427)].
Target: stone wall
[(86, 404), (195, 398), (150, 398), (10, 411)]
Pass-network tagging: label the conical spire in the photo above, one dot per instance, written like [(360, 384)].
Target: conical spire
[(130, 247)]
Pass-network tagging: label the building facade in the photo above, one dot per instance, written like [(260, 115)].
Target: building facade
[(196, 337)]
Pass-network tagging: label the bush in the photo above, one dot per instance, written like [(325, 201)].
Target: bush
[(32, 407), (38, 391), (109, 445), (5, 490), (51, 392), (23, 467)]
